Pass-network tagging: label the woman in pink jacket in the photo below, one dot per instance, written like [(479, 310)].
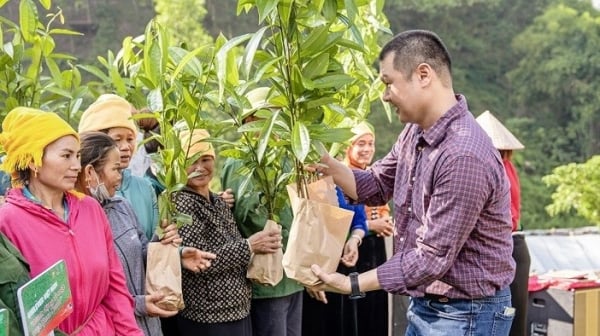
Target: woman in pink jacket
[(47, 221)]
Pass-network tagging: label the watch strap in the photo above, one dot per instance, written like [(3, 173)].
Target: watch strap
[(355, 292)]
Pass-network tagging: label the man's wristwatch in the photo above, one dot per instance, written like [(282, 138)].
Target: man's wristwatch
[(355, 290)]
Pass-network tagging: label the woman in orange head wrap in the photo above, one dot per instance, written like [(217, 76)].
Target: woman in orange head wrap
[(373, 309)]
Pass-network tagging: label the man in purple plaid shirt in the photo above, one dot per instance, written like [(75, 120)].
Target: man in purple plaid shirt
[(452, 249)]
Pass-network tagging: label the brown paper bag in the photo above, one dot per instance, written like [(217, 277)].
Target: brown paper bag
[(318, 233), (163, 275), (322, 190), (267, 269)]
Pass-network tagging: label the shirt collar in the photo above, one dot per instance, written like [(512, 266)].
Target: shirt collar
[(436, 133)]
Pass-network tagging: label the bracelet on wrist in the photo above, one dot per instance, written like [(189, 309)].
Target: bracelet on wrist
[(357, 238)]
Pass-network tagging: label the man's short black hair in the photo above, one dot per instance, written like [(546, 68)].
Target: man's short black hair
[(414, 47)]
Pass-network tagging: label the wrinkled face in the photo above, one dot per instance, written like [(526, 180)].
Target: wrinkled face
[(110, 173), (203, 170), (60, 164), (401, 93), (363, 149), (126, 141)]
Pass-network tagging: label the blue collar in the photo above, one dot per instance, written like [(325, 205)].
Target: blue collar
[(27, 193)]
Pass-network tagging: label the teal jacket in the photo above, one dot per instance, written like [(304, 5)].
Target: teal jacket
[(140, 194), (251, 218)]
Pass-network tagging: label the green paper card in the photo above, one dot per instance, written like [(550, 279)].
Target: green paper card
[(45, 301), (3, 322)]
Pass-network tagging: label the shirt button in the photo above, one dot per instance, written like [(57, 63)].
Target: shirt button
[(409, 209), (413, 178), (401, 239)]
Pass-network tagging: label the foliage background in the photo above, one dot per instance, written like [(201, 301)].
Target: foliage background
[(530, 62)]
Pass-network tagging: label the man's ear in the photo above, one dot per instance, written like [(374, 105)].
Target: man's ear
[(424, 73)]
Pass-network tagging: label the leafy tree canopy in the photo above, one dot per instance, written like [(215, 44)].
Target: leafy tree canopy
[(577, 186), (184, 20)]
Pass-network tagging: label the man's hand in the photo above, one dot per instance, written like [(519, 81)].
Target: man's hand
[(332, 282), (318, 295), (196, 260)]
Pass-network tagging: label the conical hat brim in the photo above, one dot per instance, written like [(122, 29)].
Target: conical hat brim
[(501, 137)]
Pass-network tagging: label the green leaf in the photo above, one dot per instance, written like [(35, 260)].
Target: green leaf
[(330, 9), (264, 68), (355, 32), (58, 91), (155, 100), (58, 31), (222, 60), (152, 56), (351, 45), (8, 49), (117, 81), (265, 7), (36, 59), (285, 11), (265, 135), (28, 19), (63, 56), (330, 135), (54, 71), (316, 67), (10, 103), (313, 103), (300, 141), (2, 3), (245, 5), (190, 100), (126, 51), (45, 3), (351, 9), (315, 41), (95, 71), (188, 63), (47, 45), (75, 105), (332, 81), (251, 50)]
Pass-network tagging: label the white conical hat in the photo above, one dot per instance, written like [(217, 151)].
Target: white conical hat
[(502, 138)]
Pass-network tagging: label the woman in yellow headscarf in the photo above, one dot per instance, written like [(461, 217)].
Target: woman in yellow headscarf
[(47, 222), (217, 301), (111, 114)]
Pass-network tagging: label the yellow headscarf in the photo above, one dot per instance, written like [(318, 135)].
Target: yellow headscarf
[(106, 112), (25, 134), (196, 144)]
